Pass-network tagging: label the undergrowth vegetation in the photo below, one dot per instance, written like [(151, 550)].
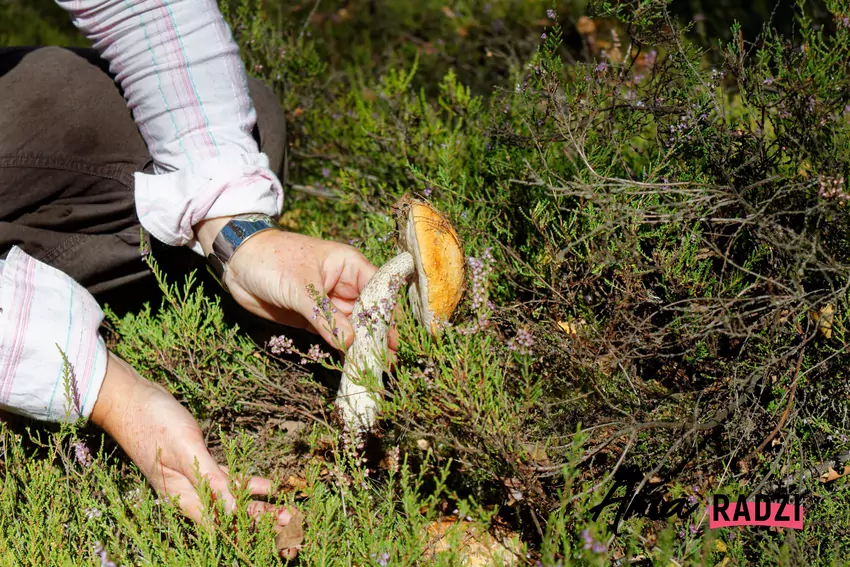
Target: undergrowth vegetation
[(659, 262)]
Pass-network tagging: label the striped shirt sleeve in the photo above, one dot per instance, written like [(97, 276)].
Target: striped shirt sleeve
[(45, 314), (181, 74)]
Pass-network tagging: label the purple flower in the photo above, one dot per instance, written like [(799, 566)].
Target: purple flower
[(699, 17), (427, 191), (552, 14), (105, 561), (601, 67), (480, 270), (522, 342), (769, 81), (82, 454), (543, 35), (326, 172), (692, 499), (280, 345), (315, 354), (598, 547)]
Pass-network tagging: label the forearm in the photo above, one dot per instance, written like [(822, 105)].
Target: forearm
[(182, 77)]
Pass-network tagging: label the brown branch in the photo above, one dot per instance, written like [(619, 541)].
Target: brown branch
[(745, 462)]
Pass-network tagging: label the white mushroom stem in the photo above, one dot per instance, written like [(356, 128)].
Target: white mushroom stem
[(365, 360)]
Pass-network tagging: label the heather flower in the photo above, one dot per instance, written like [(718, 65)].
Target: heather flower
[(326, 172), (393, 458), (82, 454), (280, 345), (598, 547), (601, 67), (315, 354), (543, 35), (832, 188), (427, 191), (382, 558), (92, 513), (522, 342), (692, 499), (480, 270), (552, 14), (769, 81), (105, 561)]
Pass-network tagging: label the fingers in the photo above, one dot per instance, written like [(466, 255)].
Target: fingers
[(340, 336), (289, 528), (257, 485)]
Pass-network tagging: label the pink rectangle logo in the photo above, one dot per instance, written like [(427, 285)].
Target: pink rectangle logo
[(762, 512)]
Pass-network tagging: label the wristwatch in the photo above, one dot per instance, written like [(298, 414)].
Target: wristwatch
[(239, 229)]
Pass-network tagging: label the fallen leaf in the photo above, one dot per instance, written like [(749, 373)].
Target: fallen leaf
[(831, 474), (723, 562), (571, 327), (449, 13), (514, 486), (475, 546), (423, 444), (824, 318), (719, 546)]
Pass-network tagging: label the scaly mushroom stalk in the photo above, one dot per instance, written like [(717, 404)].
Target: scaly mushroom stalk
[(365, 359), (431, 256)]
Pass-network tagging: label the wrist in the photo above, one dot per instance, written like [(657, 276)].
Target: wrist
[(115, 392), (207, 230)]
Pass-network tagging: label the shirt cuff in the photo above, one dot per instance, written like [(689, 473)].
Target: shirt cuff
[(43, 311), (170, 204)]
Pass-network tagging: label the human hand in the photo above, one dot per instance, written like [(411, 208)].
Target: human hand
[(164, 441), (271, 273)]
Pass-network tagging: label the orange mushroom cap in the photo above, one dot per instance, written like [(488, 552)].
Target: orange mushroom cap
[(440, 264)]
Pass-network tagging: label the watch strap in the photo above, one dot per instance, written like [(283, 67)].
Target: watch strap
[(233, 235)]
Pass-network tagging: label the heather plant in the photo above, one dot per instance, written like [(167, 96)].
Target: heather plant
[(657, 242)]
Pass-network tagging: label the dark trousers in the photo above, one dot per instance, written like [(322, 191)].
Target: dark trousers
[(68, 152)]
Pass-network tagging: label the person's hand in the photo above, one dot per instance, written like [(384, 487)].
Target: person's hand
[(164, 441), (271, 272)]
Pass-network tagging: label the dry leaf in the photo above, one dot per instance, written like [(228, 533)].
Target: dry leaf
[(423, 444), (292, 534), (475, 547), (449, 12), (571, 327), (719, 546), (831, 474), (824, 319), (514, 486)]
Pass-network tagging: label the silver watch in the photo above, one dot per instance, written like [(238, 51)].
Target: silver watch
[(239, 229)]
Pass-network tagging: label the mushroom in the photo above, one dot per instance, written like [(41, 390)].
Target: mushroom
[(432, 260)]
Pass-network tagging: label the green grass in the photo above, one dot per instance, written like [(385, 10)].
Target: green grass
[(654, 224)]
